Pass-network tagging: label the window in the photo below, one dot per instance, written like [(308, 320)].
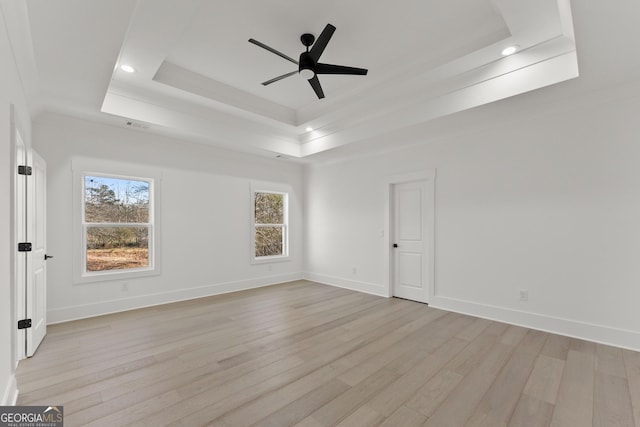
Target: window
[(116, 221), (117, 226), (270, 240)]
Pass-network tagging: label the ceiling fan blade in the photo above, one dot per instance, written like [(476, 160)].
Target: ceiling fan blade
[(272, 50), (321, 42), (315, 84), (275, 79), (339, 69)]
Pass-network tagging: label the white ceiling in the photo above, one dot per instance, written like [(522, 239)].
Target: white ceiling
[(368, 35), (199, 78)]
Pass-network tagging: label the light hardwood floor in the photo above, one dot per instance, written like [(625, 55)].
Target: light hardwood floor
[(311, 355)]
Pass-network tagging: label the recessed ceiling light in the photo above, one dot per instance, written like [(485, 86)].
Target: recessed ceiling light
[(127, 68), (509, 50), (309, 129)]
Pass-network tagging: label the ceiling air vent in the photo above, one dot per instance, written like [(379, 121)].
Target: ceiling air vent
[(136, 124)]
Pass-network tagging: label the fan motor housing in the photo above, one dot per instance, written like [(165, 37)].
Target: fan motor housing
[(306, 62)]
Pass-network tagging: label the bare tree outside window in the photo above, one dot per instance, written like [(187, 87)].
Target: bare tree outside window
[(116, 221), (270, 224)]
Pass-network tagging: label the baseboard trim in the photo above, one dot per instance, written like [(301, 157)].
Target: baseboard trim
[(572, 328), (66, 314), (568, 327), (10, 396), (368, 288)]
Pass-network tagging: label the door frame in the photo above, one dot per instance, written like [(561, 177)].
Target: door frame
[(18, 263), (22, 217), (429, 176)]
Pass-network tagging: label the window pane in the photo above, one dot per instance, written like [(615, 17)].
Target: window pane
[(269, 208), (115, 200), (269, 241), (117, 248)]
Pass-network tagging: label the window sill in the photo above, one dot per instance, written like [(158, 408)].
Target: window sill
[(115, 276), (270, 259)]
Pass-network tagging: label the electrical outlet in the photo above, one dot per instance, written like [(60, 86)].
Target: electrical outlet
[(524, 295), (354, 270), (125, 286)]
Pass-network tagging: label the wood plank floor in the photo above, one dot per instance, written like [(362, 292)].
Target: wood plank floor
[(311, 355)]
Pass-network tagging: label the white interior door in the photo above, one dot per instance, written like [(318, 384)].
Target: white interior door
[(36, 293), (410, 247)]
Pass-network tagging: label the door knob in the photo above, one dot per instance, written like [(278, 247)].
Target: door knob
[(395, 245), (46, 257)]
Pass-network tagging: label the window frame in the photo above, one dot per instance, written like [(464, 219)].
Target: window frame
[(270, 188), (84, 168)]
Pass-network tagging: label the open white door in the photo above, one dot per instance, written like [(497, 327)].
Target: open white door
[(412, 204), (36, 289)]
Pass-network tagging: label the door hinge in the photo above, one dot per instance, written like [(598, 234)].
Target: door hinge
[(24, 324), (25, 170), (24, 247)]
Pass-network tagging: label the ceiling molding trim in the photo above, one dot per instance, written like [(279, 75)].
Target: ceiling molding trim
[(545, 73), (197, 84), (15, 15), (195, 121), (435, 86)]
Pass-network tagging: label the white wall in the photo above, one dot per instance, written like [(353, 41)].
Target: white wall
[(205, 213), (547, 202), (11, 93)]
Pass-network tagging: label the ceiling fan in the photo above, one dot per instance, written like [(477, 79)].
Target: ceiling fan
[(308, 65)]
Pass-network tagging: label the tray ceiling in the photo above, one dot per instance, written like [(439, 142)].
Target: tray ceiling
[(197, 76)]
